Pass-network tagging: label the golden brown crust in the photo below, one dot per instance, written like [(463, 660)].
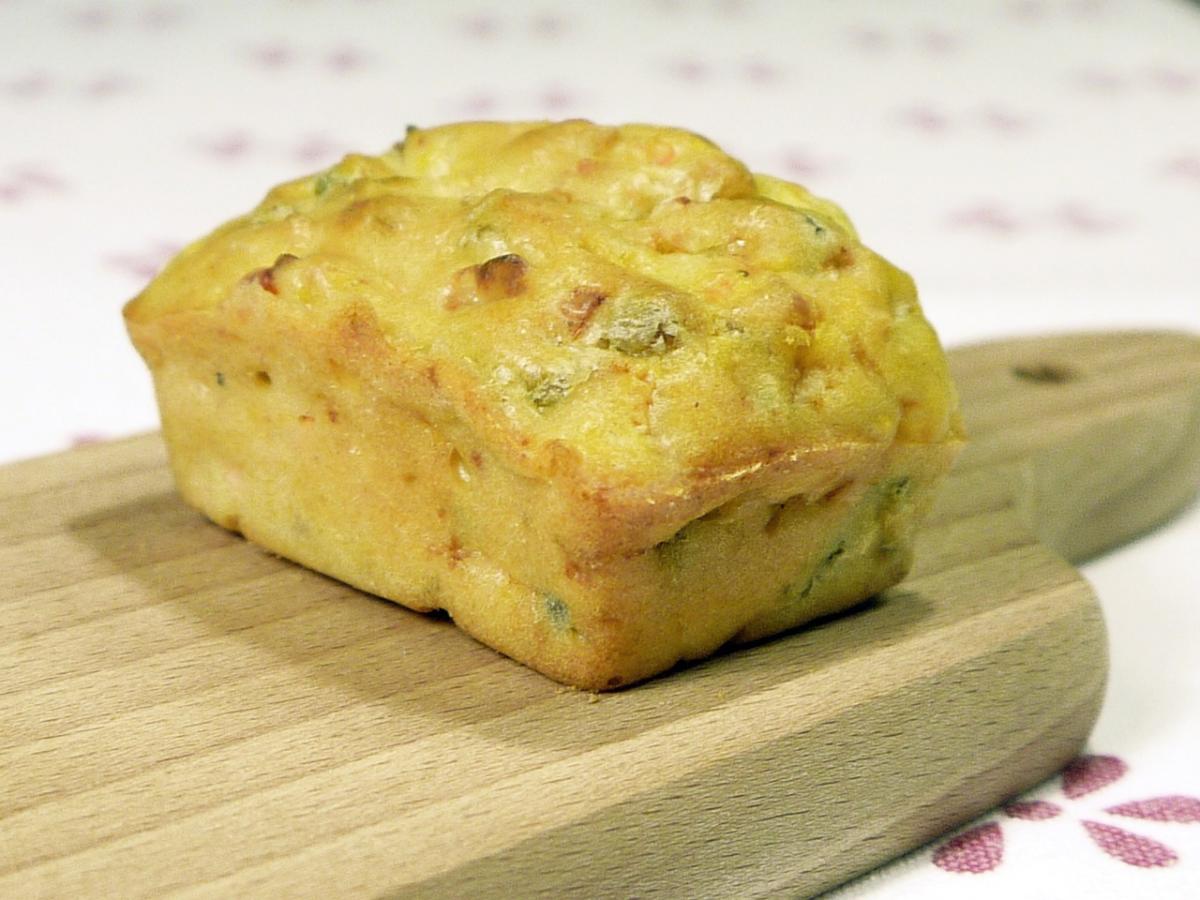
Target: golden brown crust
[(601, 393)]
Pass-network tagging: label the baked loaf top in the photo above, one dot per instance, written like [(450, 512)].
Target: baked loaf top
[(628, 306)]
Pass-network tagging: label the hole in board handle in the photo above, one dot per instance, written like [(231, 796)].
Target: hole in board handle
[(1045, 373)]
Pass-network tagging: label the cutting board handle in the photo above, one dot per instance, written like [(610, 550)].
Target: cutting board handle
[(1097, 436)]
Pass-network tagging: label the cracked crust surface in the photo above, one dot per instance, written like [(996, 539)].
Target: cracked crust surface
[(603, 394)]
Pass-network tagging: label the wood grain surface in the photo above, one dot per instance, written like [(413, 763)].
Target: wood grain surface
[(183, 714)]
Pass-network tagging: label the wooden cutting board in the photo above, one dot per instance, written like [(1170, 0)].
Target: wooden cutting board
[(183, 713)]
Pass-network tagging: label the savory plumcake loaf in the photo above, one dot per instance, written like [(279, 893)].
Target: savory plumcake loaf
[(603, 395)]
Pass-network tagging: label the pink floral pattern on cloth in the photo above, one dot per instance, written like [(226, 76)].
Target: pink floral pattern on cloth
[(981, 848)]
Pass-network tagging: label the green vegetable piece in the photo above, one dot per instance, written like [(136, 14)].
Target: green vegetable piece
[(330, 179), (641, 328), (834, 554), (323, 183), (549, 389), (793, 595), (892, 514), (557, 612)]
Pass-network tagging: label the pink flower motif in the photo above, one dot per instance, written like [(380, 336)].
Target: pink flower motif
[(479, 104), (226, 147), (981, 848), (556, 99), (801, 163), (317, 150), (271, 56), (162, 16), (1005, 121), (93, 18), (86, 439), (761, 72), (1086, 774), (346, 59), (105, 86), (937, 42), (1174, 79), (985, 217), (480, 27), (690, 70), (1173, 808), (35, 176), (27, 87), (1032, 810), (924, 118), (29, 180), (1130, 848), (1184, 166), (1085, 220), (869, 39), (548, 26)]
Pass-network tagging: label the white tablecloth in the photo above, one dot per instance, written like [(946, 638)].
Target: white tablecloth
[(1035, 164)]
